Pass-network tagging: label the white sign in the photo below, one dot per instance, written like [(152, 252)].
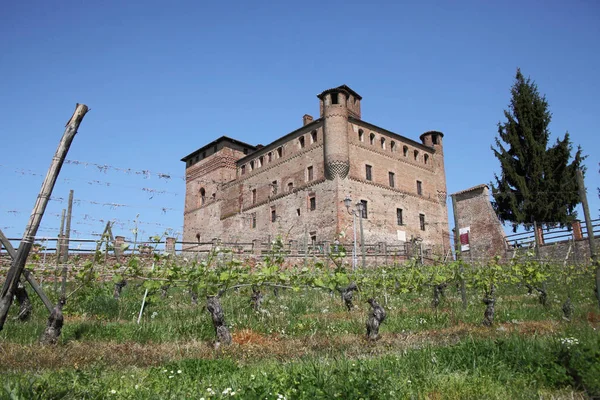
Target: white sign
[(401, 236), (464, 238)]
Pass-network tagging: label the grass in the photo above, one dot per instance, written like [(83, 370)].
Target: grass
[(305, 345)]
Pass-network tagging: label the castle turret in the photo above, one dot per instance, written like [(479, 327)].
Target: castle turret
[(336, 106), (433, 139)]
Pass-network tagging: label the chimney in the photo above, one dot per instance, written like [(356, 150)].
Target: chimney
[(306, 119)]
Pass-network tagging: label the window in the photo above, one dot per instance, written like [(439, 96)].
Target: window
[(334, 98), (422, 221), (309, 173), (434, 139), (301, 142), (399, 216), (290, 187), (313, 137), (251, 165), (383, 143), (313, 203), (416, 153), (426, 158), (313, 238), (245, 151), (372, 138), (297, 211), (364, 209), (261, 160), (243, 169), (369, 172), (361, 135), (392, 177), (419, 188), (279, 152), (274, 188), (202, 196), (270, 156), (273, 214), (253, 220), (405, 151), (393, 146), (253, 196)]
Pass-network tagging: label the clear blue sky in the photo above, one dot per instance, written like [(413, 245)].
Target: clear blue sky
[(163, 79)]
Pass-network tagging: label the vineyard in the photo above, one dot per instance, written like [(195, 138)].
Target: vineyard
[(213, 327)]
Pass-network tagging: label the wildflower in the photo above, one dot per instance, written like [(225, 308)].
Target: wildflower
[(171, 376), (252, 377), (569, 341), (137, 387), (113, 391), (226, 391), (154, 314), (178, 371)]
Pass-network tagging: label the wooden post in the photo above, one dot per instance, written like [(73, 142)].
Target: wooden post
[(463, 287), (36, 287), (61, 235), (590, 230), (18, 264)]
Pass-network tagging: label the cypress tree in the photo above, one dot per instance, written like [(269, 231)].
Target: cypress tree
[(537, 182)]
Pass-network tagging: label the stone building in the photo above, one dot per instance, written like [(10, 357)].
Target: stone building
[(295, 186)]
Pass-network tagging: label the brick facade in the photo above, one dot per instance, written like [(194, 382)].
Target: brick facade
[(296, 186)]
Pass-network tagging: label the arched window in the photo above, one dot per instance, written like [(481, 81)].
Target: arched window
[(416, 153), (383, 143), (405, 151), (202, 196), (426, 158), (361, 135), (301, 142), (393, 146), (313, 137), (290, 187), (372, 138)]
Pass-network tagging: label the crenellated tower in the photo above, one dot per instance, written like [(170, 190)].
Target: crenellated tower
[(336, 105)]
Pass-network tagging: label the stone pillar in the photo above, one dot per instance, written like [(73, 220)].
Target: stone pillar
[(170, 245), (306, 119), (577, 234)]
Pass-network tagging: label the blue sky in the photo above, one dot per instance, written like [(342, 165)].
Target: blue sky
[(163, 79)]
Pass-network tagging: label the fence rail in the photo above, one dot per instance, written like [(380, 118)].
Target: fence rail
[(552, 235)]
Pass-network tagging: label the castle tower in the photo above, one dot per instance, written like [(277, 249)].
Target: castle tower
[(433, 139), (336, 106)]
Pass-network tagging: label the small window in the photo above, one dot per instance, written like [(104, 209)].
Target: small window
[(274, 188), (273, 214), (270, 156), (261, 160), (298, 212), (361, 135), (313, 137), (372, 138), (313, 238), (279, 152), (253, 220), (252, 165), (426, 158), (405, 151), (309, 173), (419, 188), (393, 146), (313, 203), (243, 169), (290, 187), (422, 221), (214, 196), (416, 154), (253, 196), (399, 219), (392, 178), (334, 98), (202, 196), (383, 143), (369, 172), (364, 209), (301, 142), (434, 139)]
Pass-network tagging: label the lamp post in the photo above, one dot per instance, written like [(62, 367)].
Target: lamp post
[(357, 212)]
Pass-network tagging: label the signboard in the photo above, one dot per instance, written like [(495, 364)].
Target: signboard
[(464, 238), (401, 236)]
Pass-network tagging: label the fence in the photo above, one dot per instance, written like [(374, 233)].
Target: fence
[(575, 232)]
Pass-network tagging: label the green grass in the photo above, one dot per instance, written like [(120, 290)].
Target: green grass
[(310, 347)]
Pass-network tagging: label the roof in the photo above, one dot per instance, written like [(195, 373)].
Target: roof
[(343, 88), (430, 132), (400, 137), (215, 142), (483, 185)]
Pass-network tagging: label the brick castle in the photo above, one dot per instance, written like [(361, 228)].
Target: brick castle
[(295, 186)]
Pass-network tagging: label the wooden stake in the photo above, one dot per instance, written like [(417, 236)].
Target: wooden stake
[(65, 249), (18, 264)]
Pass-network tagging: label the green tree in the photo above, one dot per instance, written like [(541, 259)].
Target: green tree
[(537, 182)]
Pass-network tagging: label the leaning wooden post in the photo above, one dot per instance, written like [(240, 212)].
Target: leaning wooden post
[(590, 231), (18, 264), (36, 287)]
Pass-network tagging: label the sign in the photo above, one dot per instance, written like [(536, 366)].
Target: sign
[(464, 238), (402, 236)]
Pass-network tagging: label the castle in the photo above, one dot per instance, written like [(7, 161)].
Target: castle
[(296, 186)]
